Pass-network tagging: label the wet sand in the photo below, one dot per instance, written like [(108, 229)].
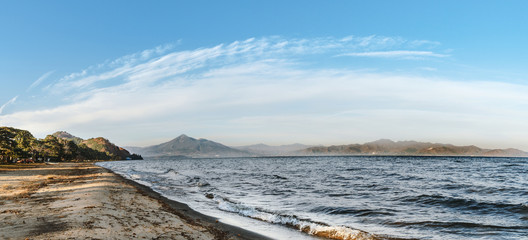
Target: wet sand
[(84, 201)]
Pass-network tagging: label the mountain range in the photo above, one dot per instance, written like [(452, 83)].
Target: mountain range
[(389, 147), (191, 147), (267, 150), (17, 143)]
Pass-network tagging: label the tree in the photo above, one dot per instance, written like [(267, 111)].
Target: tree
[(7, 144), (70, 149), (24, 140), (52, 148)]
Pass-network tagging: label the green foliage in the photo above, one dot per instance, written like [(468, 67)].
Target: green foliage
[(61, 146), (24, 141), (52, 148), (8, 145)]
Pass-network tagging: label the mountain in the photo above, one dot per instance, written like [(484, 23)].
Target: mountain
[(67, 136), (96, 148), (389, 147), (104, 146), (267, 150), (191, 147)]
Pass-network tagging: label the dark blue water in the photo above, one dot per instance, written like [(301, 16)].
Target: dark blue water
[(353, 197)]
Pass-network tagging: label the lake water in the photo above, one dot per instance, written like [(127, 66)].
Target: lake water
[(349, 197)]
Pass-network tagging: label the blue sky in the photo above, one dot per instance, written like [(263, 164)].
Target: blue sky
[(276, 72)]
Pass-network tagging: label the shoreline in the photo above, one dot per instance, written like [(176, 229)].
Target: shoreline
[(185, 212), (83, 200)]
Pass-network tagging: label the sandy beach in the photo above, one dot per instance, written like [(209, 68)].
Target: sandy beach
[(84, 201)]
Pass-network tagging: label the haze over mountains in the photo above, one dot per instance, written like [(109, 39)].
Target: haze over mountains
[(389, 147), (16, 143), (191, 147), (267, 150)]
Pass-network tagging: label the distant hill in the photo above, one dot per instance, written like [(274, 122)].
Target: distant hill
[(191, 147), (103, 147), (389, 147), (267, 150), (67, 136)]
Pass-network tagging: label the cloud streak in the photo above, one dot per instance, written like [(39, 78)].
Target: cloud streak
[(396, 54), (268, 90), (13, 100), (40, 80)]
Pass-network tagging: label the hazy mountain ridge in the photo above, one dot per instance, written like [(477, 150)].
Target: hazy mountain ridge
[(267, 150), (190, 147), (389, 147)]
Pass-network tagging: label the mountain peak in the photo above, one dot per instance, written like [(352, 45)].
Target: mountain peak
[(383, 141), (63, 134), (184, 145), (183, 138), (67, 136)]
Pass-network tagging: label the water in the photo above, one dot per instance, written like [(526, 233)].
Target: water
[(350, 197)]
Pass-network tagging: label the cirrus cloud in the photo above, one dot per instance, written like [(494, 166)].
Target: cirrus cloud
[(396, 54), (275, 90)]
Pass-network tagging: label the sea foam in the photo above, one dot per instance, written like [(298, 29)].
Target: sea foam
[(304, 225)]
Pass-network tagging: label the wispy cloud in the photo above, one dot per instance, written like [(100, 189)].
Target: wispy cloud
[(107, 70), (142, 67), (13, 100), (264, 89), (396, 54), (40, 80)]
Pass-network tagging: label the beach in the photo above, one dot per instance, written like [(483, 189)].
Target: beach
[(85, 201)]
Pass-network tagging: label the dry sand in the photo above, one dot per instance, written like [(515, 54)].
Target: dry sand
[(84, 201)]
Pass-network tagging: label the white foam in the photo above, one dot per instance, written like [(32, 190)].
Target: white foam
[(316, 229), (172, 175), (135, 176), (145, 183)]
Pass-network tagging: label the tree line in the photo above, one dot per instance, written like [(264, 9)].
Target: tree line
[(21, 145)]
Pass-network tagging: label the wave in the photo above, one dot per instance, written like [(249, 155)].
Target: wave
[(354, 211), (170, 170), (198, 181), (279, 177), (436, 224), (466, 204), (170, 173), (194, 181), (307, 226)]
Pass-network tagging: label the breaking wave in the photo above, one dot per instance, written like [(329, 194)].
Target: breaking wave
[(304, 225)]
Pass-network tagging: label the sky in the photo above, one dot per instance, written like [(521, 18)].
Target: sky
[(276, 72)]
